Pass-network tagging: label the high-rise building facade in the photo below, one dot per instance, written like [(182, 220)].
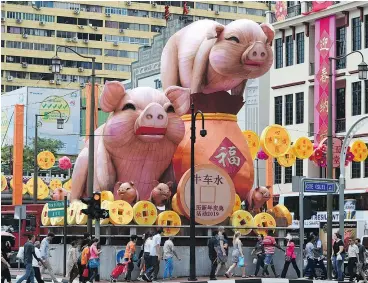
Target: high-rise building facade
[(112, 31), (299, 81)]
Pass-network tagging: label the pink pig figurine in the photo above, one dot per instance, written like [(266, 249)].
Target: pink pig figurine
[(138, 140), (208, 57)]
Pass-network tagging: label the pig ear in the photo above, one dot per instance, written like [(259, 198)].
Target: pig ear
[(215, 31), (131, 183), (169, 184), (269, 32), (155, 183), (112, 94), (180, 98)]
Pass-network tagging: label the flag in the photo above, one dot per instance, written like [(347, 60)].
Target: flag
[(185, 8), (167, 13), (319, 6)]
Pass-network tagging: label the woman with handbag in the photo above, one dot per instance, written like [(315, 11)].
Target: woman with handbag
[(290, 257), (83, 260), (222, 253), (94, 260), (260, 256), (237, 256), (338, 256)]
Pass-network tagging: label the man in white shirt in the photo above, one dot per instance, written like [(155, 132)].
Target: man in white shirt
[(155, 256), (353, 254), (35, 265)]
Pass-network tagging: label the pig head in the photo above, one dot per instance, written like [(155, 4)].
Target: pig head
[(161, 193), (138, 140), (126, 191), (208, 57), (257, 197)]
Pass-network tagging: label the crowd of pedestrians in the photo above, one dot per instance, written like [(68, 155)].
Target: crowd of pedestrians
[(83, 258)]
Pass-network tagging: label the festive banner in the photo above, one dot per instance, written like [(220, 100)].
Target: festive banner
[(88, 108), (318, 6), (18, 154), (280, 10), (325, 34), (185, 8)]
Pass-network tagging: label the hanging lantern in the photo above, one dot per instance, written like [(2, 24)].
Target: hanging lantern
[(167, 13)]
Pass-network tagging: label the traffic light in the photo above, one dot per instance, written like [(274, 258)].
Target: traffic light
[(93, 209), (309, 208)]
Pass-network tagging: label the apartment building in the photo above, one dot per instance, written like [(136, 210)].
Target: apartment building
[(112, 31), (293, 79)]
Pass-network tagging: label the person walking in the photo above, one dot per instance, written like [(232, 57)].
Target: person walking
[(168, 257), (147, 241), (338, 256), (290, 257), (361, 260), (94, 260), (353, 254), (260, 256), (319, 257), (222, 249), (84, 256), (128, 256), (310, 268), (270, 244), (72, 262), (154, 257), (237, 256), (5, 266), (45, 256), (29, 253), (35, 265), (212, 254)]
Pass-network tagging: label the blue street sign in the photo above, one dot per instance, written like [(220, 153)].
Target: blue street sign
[(319, 187)]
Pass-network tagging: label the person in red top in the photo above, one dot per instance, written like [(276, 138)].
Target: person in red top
[(128, 256), (290, 257), (269, 244)]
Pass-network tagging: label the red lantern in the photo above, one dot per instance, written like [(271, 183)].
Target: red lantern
[(167, 13), (185, 8)]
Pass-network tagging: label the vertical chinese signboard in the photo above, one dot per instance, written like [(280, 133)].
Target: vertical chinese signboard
[(18, 154), (325, 36)]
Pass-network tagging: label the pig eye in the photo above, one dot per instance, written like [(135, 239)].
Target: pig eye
[(129, 106), (233, 38), (170, 109)]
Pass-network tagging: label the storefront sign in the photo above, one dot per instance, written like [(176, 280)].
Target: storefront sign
[(214, 194)]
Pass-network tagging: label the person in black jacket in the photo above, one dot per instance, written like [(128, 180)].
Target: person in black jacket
[(5, 267), (212, 254)]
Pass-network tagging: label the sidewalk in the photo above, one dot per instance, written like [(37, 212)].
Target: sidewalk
[(16, 274)]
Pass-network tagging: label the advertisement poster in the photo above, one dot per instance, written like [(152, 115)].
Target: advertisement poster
[(64, 102), (350, 231)]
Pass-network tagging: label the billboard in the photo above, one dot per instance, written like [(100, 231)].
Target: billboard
[(8, 102), (64, 102)]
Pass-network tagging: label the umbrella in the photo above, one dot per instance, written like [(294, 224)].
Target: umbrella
[(6, 234)]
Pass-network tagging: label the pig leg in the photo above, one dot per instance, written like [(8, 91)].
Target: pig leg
[(200, 66), (170, 61), (79, 176), (105, 171), (239, 89)]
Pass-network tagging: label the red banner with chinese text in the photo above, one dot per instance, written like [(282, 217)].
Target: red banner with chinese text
[(325, 36), (319, 6), (18, 154)]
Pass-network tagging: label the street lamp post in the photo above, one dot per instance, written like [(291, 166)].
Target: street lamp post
[(362, 68), (203, 133), (56, 67), (60, 126)]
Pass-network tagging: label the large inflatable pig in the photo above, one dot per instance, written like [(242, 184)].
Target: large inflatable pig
[(138, 140), (208, 57)]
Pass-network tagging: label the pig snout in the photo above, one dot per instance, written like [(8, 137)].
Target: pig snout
[(152, 121), (256, 55)]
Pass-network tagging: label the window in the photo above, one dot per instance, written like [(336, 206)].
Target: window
[(288, 174), (30, 17), (17, 74), (2, 43), (300, 48), (357, 99), (242, 10), (138, 13), (340, 110), (117, 67), (299, 108), (202, 6), (366, 166), (279, 53), (357, 36), (289, 50), (299, 167), (340, 47), (277, 175), (95, 51), (278, 110), (355, 170), (117, 11), (366, 97), (121, 53), (157, 15), (255, 12), (2, 29), (127, 39), (289, 109), (366, 30)]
